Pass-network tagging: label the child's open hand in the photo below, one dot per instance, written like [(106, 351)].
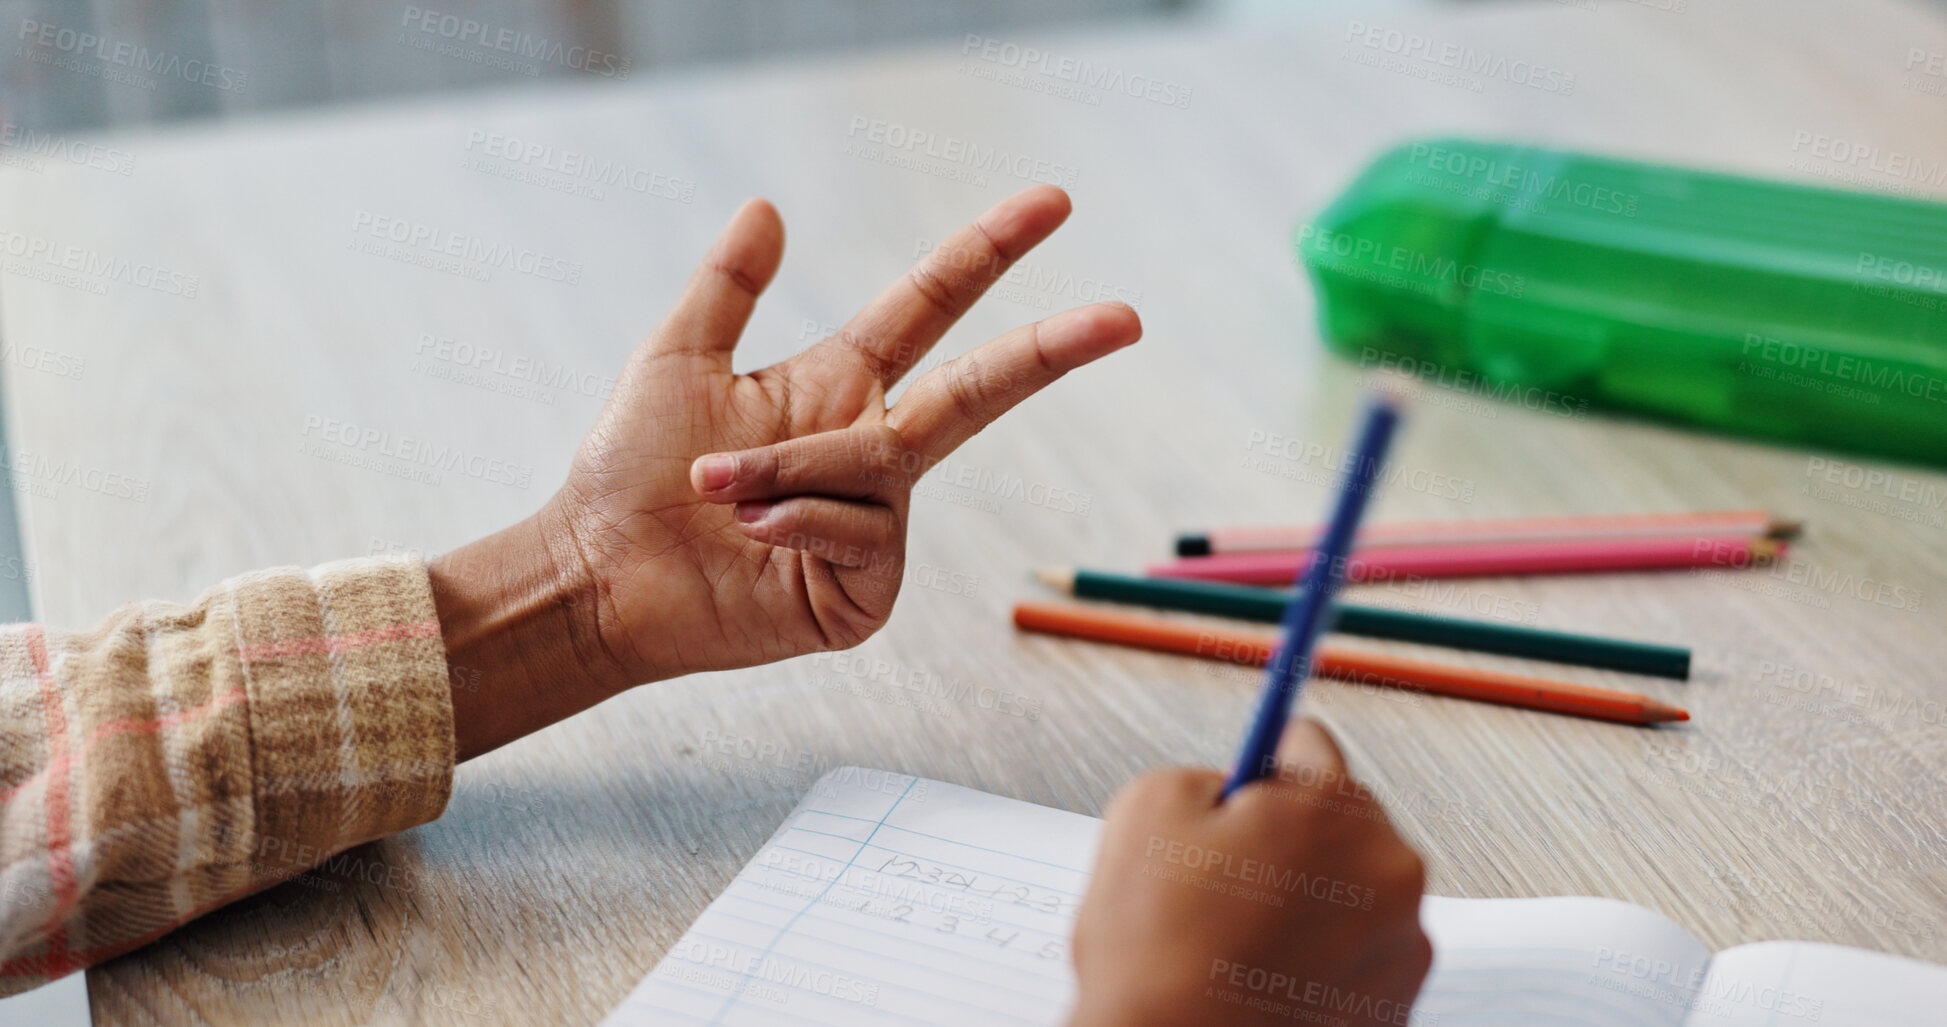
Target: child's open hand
[(729, 520), (715, 520), (1293, 902)]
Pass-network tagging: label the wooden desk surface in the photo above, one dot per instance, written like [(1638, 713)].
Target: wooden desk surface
[(213, 430)]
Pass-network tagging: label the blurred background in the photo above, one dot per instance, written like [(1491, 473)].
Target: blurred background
[(273, 54)]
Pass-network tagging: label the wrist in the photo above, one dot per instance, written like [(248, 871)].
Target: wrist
[(519, 624)]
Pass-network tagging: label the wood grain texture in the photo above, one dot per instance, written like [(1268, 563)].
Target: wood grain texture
[(568, 863)]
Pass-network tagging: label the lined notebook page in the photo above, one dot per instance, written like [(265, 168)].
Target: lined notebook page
[(888, 899), (1780, 983)]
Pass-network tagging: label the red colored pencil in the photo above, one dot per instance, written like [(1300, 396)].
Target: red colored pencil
[(1254, 649), (1386, 563), (1273, 537)]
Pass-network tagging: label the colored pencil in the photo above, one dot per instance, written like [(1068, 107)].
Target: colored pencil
[(1311, 605), (1253, 648), (1274, 537), (1248, 602), (1386, 563)]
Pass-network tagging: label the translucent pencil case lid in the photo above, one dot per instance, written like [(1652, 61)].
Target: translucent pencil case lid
[(1566, 280)]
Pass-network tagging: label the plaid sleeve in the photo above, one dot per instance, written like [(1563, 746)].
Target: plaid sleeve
[(176, 758)]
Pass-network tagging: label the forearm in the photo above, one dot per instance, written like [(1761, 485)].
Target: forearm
[(178, 757), (282, 717), (520, 619)]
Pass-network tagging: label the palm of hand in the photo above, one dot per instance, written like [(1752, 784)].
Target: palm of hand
[(801, 549)]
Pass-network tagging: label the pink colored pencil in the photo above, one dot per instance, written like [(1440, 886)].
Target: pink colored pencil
[(1385, 563), (1273, 537)]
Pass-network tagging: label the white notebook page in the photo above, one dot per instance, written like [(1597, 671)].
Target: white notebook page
[(1575, 962), (888, 899), (1785, 983)]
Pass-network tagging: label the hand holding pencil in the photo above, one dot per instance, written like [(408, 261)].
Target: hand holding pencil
[(1293, 883), (1220, 856)]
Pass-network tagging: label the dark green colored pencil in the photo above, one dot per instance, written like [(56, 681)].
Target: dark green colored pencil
[(1246, 602)]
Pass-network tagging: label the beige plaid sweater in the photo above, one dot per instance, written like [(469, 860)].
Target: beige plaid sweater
[(176, 758)]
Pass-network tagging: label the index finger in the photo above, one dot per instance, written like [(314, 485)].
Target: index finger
[(954, 401), (897, 328)]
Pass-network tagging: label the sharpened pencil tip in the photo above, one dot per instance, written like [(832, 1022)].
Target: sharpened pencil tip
[(1663, 713), (1061, 579)]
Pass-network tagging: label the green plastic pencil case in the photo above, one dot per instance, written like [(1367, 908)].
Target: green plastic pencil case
[(1564, 281)]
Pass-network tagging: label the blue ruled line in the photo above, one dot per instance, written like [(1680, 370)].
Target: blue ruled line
[(743, 980)]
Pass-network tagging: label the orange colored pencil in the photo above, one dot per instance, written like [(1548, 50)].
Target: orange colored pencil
[(1254, 649)]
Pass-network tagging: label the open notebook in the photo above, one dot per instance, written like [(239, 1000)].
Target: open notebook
[(887, 899)]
